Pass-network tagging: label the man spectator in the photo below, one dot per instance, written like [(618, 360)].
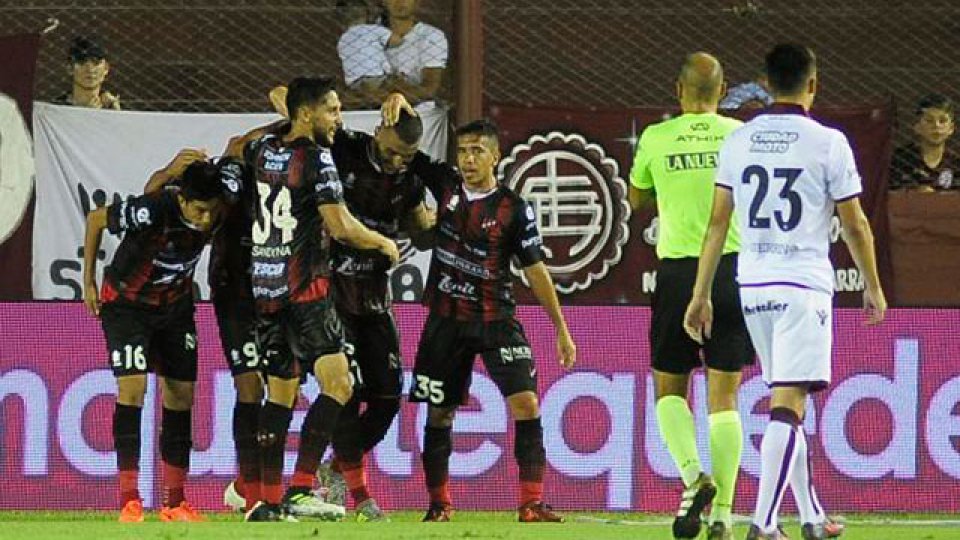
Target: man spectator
[(927, 164), (417, 52), (749, 95), (362, 52), (89, 66)]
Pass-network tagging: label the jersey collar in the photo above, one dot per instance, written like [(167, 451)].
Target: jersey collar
[(786, 108)]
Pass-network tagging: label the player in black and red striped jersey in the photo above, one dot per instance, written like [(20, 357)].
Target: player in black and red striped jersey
[(383, 195), (298, 211), (481, 226), (228, 276), (146, 307)]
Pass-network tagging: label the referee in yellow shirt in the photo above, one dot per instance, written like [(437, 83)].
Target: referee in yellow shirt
[(675, 165)]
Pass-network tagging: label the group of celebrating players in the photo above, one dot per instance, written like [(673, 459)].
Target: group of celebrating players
[(303, 218)]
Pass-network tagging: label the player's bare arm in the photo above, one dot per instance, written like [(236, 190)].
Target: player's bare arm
[(641, 198), (96, 223), (174, 169), (543, 289), (429, 85), (345, 228), (859, 238), (698, 319)]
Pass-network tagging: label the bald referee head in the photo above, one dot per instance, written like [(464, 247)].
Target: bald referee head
[(700, 84)]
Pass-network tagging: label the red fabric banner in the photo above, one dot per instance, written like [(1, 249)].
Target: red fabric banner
[(575, 165)]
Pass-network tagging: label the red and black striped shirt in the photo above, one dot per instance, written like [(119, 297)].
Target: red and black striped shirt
[(476, 238), (290, 254), (381, 202), (156, 259)]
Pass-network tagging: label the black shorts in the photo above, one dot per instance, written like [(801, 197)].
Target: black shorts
[(373, 351), (444, 366), (673, 351), (141, 339), (236, 320), (291, 340)]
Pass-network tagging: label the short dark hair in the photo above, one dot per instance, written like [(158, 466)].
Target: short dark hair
[(483, 127), (307, 91), (934, 101), (788, 65), (409, 127), (201, 182), (83, 48)]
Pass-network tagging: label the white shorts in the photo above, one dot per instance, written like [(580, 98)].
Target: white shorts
[(792, 331)]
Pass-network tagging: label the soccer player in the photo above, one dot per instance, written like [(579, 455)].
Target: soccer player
[(298, 201), (386, 197), (785, 174), (147, 316), (230, 291), (675, 163), (481, 225)]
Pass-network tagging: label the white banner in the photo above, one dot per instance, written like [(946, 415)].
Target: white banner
[(87, 158)]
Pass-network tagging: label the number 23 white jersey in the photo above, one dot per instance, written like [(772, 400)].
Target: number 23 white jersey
[(786, 172)]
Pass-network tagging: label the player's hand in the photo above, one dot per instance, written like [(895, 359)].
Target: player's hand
[(110, 101), (278, 99), (566, 348), (874, 305), (91, 299), (429, 219), (389, 248), (183, 159), (698, 320), (390, 110)]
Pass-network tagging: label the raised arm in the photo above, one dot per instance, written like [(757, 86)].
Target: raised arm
[(174, 169)]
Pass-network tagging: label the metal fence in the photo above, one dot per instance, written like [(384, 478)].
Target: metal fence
[(193, 55), (627, 53)]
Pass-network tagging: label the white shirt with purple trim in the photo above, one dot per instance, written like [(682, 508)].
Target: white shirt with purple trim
[(786, 172)]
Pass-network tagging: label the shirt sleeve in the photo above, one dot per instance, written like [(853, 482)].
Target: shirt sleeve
[(435, 49), (640, 175), (725, 173), (528, 244), (135, 214), (326, 181), (435, 175), (843, 180)]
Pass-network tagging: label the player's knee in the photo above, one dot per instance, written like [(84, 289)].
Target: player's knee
[(131, 390), (441, 417), (177, 395), (249, 387), (524, 406)]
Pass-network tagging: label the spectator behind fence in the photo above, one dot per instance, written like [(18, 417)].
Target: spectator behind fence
[(89, 66), (749, 95), (362, 47), (928, 163), (417, 52)]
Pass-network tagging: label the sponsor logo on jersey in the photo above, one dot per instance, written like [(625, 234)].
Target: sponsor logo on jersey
[(577, 200), (772, 141), (687, 162), (270, 252), (770, 306)]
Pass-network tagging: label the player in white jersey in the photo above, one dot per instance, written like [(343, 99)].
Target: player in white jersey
[(784, 173)]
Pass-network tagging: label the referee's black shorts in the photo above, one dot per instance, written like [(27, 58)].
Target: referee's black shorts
[(672, 350)]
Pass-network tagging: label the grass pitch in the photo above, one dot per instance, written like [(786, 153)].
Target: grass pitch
[(406, 525)]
